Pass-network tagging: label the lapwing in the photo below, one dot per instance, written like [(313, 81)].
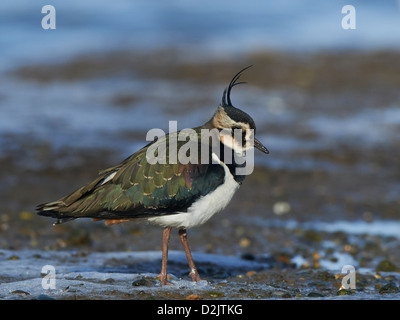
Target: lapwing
[(169, 194)]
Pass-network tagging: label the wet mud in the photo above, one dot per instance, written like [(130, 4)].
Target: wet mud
[(331, 123)]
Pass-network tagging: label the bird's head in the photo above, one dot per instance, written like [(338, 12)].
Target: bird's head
[(237, 128)]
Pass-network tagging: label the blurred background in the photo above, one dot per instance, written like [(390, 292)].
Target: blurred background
[(326, 102)]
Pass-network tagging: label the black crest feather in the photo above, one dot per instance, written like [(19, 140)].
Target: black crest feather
[(226, 96)]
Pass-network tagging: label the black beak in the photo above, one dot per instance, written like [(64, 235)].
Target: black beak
[(259, 146)]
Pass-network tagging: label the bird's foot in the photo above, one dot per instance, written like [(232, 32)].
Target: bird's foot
[(195, 275), (164, 280)]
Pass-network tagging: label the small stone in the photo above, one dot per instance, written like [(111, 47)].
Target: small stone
[(344, 292), (389, 288), (216, 294), (21, 292), (279, 293), (250, 273), (387, 266), (284, 258), (316, 256), (315, 295), (281, 208), (109, 280), (244, 242), (143, 283), (13, 258), (194, 297)]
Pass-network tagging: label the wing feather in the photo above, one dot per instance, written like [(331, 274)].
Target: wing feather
[(136, 188)]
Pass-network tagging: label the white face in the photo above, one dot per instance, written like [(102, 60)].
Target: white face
[(240, 139), (235, 135)]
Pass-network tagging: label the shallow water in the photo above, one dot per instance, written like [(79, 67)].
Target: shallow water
[(209, 28), (36, 274)]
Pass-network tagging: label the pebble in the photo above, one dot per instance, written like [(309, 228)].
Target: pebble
[(143, 282), (281, 208), (21, 292), (315, 295), (281, 294), (251, 273), (344, 292), (389, 288), (216, 294), (244, 242), (194, 297), (387, 266)]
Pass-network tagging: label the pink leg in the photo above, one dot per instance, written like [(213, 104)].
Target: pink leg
[(193, 272), (164, 263)]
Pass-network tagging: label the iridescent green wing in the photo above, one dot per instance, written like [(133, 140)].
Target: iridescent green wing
[(142, 187), (89, 199)]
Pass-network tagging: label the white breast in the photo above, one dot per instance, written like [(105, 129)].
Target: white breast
[(205, 207)]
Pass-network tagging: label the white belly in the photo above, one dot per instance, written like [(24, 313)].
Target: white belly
[(204, 208)]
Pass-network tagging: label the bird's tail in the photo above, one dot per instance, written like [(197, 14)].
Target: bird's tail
[(52, 209), (68, 208)]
